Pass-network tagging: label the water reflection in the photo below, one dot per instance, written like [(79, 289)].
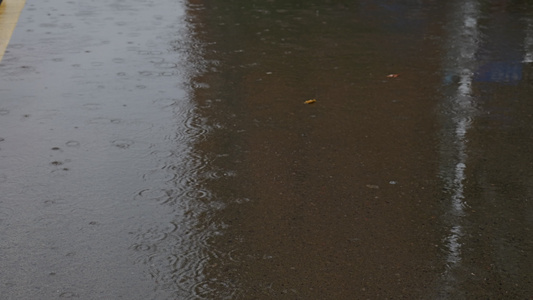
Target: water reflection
[(189, 181), (174, 247), (101, 166), (265, 199), (297, 218), (481, 57), (458, 111), (528, 41)]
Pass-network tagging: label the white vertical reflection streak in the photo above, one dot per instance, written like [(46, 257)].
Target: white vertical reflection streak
[(528, 42), (459, 110)]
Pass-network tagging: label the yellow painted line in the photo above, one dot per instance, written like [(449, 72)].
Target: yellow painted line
[(9, 14)]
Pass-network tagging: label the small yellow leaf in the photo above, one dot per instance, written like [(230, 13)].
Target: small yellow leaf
[(310, 101)]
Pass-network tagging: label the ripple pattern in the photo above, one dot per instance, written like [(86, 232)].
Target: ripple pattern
[(178, 245), (178, 252)]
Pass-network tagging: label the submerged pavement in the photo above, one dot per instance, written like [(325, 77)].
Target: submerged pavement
[(164, 150)]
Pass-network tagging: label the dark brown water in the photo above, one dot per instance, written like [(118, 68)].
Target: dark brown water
[(164, 150)]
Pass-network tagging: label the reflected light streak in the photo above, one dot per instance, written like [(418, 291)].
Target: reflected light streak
[(459, 110), (454, 246), (528, 42)]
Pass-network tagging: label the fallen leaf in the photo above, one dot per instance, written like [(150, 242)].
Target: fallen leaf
[(311, 101), (393, 75)]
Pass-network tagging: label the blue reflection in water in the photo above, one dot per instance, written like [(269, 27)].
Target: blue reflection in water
[(501, 72)]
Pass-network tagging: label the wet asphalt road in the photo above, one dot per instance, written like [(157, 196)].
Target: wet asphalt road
[(163, 150)]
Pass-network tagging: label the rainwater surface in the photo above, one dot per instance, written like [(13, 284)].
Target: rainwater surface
[(163, 150)]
